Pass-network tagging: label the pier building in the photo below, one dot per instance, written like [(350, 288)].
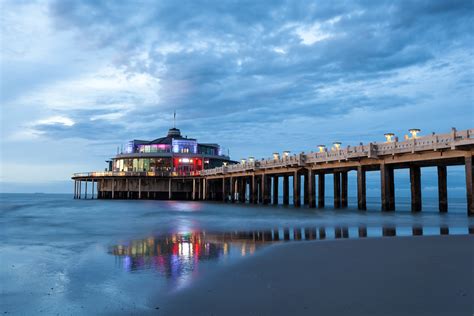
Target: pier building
[(258, 181)]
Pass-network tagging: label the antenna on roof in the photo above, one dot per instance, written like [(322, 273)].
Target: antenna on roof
[(174, 119)]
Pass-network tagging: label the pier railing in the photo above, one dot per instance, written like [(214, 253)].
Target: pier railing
[(134, 174), (372, 150)]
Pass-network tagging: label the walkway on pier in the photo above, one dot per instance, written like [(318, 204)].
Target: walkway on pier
[(259, 180)]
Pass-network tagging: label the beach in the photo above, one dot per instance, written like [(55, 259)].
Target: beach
[(60, 256), (382, 276)]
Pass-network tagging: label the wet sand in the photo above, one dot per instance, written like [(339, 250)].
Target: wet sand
[(381, 276)]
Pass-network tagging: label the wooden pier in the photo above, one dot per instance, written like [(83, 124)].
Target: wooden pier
[(257, 181)]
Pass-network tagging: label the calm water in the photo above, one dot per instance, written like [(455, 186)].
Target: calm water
[(59, 255)]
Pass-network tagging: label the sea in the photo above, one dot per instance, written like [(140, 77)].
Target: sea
[(61, 256)]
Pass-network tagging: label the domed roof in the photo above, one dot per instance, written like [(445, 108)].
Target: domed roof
[(174, 132)]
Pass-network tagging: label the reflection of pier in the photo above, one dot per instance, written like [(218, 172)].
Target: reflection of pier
[(178, 254), (258, 181)]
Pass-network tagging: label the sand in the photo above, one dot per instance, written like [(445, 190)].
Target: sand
[(380, 276)]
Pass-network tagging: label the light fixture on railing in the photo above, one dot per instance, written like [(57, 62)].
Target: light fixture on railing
[(336, 145), (276, 156), (225, 163), (251, 159), (322, 148), (388, 137), (286, 153), (414, 132), (242, 161)]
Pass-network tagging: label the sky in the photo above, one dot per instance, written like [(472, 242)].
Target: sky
[(80, 78)]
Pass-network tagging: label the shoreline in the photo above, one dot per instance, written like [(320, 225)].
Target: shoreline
[(429, 275)]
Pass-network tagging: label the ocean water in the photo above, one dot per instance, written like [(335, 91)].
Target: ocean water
[(64, 256)]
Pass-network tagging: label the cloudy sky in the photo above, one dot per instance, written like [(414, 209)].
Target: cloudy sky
[(79, 78)]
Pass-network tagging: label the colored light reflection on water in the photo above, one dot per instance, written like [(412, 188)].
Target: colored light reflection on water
[(177, 256)]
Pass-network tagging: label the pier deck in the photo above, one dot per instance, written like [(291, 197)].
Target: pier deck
[(257, 181)]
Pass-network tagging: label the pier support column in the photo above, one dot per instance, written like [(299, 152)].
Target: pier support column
[(311, 189), (344, 189), (442, 189), (306, 187), (113, 188), (387, 187), (275, 190), (469, 184), (296, 189), (265, 189), (92, 192), (224, 190), (232, 191), (337, 190), (361, 189), (391, 188), (75, 189), (286, 189), (140, 188), (415, 188), (170, 192), (85, 194), (252, 190), (321, 189), (260, 189), (193, 196), (243, 189), (205, 189)]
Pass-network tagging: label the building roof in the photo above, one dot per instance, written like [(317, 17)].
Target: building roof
[(173, 133)]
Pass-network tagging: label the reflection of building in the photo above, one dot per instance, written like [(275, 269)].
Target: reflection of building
[(178, 255), (172, 154)]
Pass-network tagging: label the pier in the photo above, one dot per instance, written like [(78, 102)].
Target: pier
[(258, 181)]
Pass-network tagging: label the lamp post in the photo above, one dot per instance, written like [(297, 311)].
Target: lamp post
[(388, 137), (276, 156), (414, 132), (337, 145), (251, 159), (322, 148), (242, 161), (286, 154)]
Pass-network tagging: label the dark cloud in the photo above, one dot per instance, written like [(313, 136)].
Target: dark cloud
[(224, 64)]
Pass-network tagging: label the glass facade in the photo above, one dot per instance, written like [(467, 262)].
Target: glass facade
[(144, 164)]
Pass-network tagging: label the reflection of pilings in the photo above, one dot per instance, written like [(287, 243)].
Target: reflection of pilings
[(309, 233), (389, 231), (286, 234), (267, 235), (322, 233), (444, 230), (362, 232), (276, 234), (471, 230), (417, 231), (345, 232), (297, 233), (337, 232)]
